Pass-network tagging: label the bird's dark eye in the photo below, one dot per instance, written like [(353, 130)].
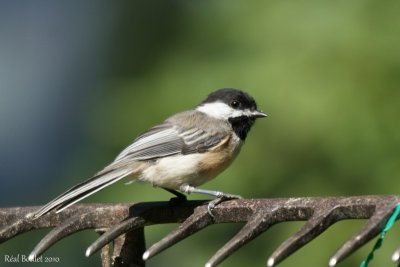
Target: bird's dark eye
[(235, 104)]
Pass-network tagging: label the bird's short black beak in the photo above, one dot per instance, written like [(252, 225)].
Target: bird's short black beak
[(258, 114)]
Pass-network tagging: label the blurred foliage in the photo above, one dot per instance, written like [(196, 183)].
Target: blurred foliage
[(326, 72)]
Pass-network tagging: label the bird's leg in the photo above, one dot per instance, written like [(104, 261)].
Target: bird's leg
[(180, 198), (220, 196)]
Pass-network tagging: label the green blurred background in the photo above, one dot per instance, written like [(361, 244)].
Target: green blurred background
[(79, 80)]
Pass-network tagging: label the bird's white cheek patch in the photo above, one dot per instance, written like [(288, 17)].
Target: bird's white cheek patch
[(223, 111), (217, 110)]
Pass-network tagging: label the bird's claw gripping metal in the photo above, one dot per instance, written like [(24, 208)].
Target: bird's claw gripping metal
[(220, 198)]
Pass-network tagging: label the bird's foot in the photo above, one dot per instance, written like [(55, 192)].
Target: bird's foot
[(221, 198)]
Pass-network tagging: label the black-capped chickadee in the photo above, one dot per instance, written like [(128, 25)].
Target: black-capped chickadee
[(185, 151)]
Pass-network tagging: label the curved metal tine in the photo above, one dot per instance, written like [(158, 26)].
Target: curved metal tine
[(194, 223), (396, 256), (73, 225), (371, 229), (256, 225), (114, 232), (317, 224)]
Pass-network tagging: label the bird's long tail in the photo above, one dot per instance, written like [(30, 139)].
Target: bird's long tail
[(80, 191)]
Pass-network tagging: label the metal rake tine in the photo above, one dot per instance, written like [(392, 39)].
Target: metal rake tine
[(256, 225), (114, 232), (73, 225), (197, 221), (371, 229), (396, 256), (317, 224)]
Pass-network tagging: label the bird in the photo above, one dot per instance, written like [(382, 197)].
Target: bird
[(183, 152)]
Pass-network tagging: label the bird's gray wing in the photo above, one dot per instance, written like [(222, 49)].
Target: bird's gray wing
[(169, 139), (160, 141)]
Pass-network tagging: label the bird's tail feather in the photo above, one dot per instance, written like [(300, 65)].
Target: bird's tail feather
[(83, 190)]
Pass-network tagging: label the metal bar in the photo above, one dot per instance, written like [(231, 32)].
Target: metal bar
[(124, 223)]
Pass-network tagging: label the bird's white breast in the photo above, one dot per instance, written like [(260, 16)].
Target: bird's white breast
[(171, 172)]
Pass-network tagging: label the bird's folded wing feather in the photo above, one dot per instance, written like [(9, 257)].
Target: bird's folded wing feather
[(165, 140)]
